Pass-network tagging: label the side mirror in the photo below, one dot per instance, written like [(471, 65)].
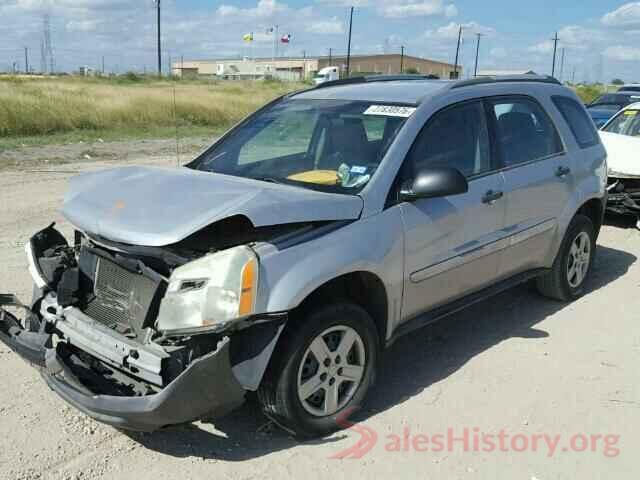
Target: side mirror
[(434, 182)]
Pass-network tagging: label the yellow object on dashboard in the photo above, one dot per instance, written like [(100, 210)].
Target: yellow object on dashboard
[(320, 177)]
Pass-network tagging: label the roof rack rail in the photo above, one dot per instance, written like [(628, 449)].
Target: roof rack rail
[(375, 78), (507, 78)]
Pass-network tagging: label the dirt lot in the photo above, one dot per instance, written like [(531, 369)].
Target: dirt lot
[(516, 364)]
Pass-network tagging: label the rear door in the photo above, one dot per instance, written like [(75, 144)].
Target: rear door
[(538, 179), (452, 243)]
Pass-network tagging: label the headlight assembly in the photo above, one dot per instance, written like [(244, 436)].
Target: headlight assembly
[(210, 291)]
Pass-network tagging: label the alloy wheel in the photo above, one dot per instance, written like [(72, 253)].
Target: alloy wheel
[(579, 259), (331, 370)]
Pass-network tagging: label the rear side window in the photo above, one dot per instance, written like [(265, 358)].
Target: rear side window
[(524, 131), (579, 122)]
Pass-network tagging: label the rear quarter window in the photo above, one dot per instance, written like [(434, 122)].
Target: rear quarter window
[(582, 127)]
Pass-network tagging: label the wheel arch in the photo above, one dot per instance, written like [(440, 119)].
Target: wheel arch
[(594, 210), (364, 288)]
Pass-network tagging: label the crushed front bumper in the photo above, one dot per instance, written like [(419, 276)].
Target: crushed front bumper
[(206, 388), (623, 196)]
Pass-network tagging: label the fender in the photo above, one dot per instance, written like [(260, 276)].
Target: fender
[(290, 275)]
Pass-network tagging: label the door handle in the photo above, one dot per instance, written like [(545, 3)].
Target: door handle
[(562, 171), (492, 196)]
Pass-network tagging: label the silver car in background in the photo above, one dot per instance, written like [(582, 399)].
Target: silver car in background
[(288, 255)]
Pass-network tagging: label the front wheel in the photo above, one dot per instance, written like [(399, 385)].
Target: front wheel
[(570, 270), (323, 367)]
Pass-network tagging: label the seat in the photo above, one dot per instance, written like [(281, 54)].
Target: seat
[(347, 143), (520, 139)]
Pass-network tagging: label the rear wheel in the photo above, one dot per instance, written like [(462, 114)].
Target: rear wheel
[(571, 268), (324, 365)]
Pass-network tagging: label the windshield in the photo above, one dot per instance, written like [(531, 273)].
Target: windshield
[(328, 145), (625, 123)]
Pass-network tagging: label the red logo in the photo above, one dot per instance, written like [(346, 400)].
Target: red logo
[(368, 437)]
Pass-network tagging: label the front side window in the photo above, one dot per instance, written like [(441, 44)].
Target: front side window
[(524, 131), (456, 137), (329, 145), (581, 126), (626, 122)]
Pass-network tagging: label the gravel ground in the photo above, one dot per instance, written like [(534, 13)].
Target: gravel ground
[(516, 364)]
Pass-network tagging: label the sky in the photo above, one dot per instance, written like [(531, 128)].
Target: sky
[(601, 39)]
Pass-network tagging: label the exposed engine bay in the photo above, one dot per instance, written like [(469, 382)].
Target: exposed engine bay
[(101, 302)]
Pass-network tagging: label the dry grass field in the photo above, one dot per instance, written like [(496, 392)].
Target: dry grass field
[(49, 109)]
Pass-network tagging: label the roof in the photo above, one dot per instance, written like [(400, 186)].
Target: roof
[(396, 91), (407, 89), (499, 73)]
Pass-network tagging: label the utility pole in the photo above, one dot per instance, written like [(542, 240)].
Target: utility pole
[(26, 60), (555, 51), (159, 42), (475, 69), (573, 76), (455, 65), (102, 66), (401, 59), (349, 44), (562, 65), (330, 52)]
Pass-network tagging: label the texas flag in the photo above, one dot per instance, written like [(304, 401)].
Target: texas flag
[(285, 38)]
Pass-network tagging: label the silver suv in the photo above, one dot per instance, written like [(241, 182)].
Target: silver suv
[(289, 254)]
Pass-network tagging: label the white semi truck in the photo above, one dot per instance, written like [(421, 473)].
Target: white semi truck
[(327, 74)]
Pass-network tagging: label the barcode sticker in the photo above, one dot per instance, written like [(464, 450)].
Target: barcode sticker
[(390, 110)]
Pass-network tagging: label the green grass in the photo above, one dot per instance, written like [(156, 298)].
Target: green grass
[(67, 109), (588, 93)]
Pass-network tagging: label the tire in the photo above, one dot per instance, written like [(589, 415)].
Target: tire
[(559, 284), (295, 364)]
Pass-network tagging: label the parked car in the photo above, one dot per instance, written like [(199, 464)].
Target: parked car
[(629, 87), (286, 257), (621, 138), (607, 105)]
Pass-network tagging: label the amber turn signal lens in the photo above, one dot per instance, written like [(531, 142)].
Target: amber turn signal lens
[(248, 292)]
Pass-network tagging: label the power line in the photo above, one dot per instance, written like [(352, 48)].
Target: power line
[(475, 69), (48, 60), (159, 41), (555, 51), (455, 65), (349, 44)]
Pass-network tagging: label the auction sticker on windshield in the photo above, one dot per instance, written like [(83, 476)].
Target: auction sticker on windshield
[(390, 110)]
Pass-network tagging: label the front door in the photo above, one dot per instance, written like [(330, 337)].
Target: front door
[(452, 243)]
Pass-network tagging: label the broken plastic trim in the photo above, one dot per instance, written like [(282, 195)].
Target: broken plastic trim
[(225, 327)]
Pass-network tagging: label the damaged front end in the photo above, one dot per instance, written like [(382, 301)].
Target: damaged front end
[(623, 195), (143, 337)]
